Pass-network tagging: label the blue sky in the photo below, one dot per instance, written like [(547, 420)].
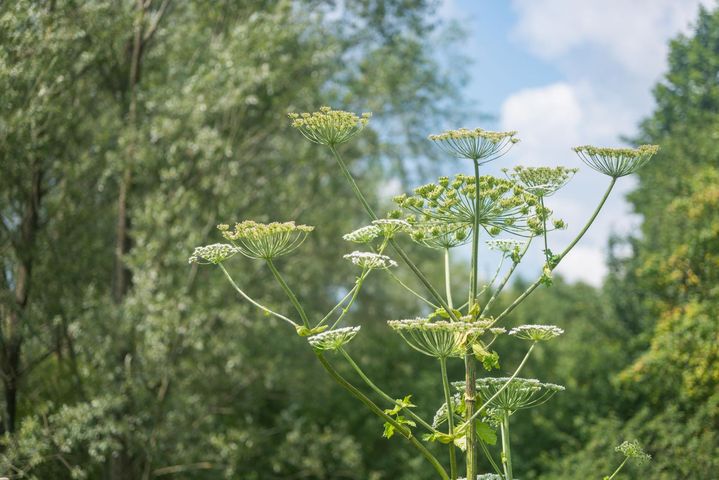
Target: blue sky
[(566, 73)]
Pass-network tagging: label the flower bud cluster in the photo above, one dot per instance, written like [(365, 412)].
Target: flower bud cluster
[(479, 145), (441, 235), (536, 333), (329, 127), (616, 162), (266, 240), (363, 234), (212, 254), (439, 339), (503, 205), (633, 450), (541, 181), (333, 339), (370, 260)]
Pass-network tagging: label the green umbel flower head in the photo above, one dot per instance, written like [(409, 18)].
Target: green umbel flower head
[(265, 240), (329, 127), (616, 162), (212, 254), (536, 333), (633, 450), (439, 339), (333, 339), (503, 205), (441, 236), (541, 181), (519, 394), (479, 145)]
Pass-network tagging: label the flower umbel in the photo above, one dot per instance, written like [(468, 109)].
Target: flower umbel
[(266, 240), (441, 235), (503, 206), (333, 339), (616, 162), (479, 145), (633, 450), (519, 394), (363, 234), (212, 254), (370, 260), (329, 127), (536, 333), (437, 339), (541, 181)]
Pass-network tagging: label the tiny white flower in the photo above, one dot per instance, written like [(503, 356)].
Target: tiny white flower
[(333, 339), (370, 260), (536, 333), (363, 234)]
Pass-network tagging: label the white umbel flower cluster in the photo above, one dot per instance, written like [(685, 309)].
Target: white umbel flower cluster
[(370, 260), (333, 339), (363, 234), (212, 254), (506, 245), (486, 476), (536, 333)]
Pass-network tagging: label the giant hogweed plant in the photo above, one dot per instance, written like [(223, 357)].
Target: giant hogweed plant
[(512, 213)]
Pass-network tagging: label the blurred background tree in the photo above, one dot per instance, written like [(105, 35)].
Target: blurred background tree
[(129, 129)]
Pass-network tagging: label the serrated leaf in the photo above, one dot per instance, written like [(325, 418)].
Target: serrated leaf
[(388, 430), (486, 433)]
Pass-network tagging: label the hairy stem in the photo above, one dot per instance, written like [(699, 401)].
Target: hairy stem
[(506, 449), (447, 278), (496, 394), (450, 419), (470, 378), (404, 431)]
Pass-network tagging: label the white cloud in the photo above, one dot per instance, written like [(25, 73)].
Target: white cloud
[(632, 32), (611, 53), (585, 264)]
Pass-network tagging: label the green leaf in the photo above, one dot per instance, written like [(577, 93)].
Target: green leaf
[(486, 433), (388, 430)]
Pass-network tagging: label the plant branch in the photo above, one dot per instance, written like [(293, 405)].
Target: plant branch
[(404, 431), (253, 302), (289, 293)]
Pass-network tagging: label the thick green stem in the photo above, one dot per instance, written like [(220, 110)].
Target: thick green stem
[(289, 293), (450, 419), (382, 393), (447, 278), (404, 431), (470, 378), (561, 256), (618, 468), (506, 449), (506, 384), (249, 299)]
